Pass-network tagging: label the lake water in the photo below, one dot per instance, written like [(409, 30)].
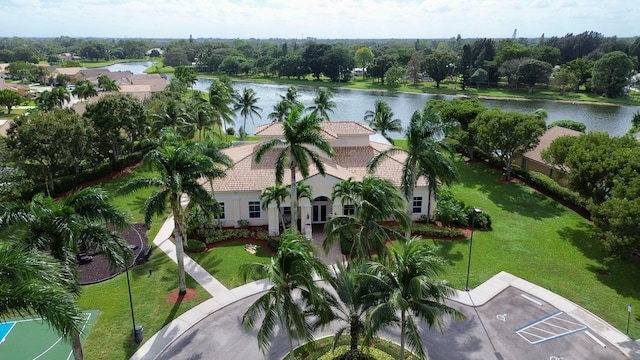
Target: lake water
[(352, 104)]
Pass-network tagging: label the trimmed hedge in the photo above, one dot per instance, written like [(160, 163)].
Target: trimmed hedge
[(194, 246), (434, 231)]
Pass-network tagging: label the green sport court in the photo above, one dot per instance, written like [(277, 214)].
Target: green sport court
[(31, 338)]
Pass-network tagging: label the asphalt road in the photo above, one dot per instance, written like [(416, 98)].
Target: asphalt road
[(488, 332)]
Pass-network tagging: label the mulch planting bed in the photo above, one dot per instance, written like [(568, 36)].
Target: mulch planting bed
[(98, 270)]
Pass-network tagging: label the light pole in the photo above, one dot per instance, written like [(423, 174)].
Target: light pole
[(137, 330), (476, 212)]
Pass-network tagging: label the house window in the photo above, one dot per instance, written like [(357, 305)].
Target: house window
[(349, 210), (286, 211), (417, 205), (254, 209), (222, 211)]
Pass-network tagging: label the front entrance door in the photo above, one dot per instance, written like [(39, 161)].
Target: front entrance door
[(319, 213)]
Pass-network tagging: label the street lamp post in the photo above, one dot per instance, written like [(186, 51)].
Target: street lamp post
[(133, 319), (476, 212)]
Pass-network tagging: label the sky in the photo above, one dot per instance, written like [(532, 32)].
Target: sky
[(328, 19)]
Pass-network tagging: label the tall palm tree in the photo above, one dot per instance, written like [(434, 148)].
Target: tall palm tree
[(221, 100), (426, 155), (300, 136), (60, 227), (246, 104), (174, 116), (381, 119), (85, 89), (180, 167), (291, 272), (107, 84), (409, 286), (280, 111), (60, 96), (35, 284), (354, 288), (291, 95), (203, 114), (322, 104), (375, 200)]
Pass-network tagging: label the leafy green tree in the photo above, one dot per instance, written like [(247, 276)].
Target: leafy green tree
[(533, 71), (246, 105), (508, 134), (180, 167), (56, 98), (300, 135), (611, 73), (59, 227), (107, 84), (381, 119), (35, 284), (34, 140), (291, 272), (582, 70), (336, 63), (546, 53), (414, 67), (565, 79), (393, 76), (10, 99), (463, 112), (480, 76), (569, 124), (437, 65), (364, 57), (121, 121), (375, 200), (380, 66), (323, 104), (426, 155), (313, 58), (410, 287)]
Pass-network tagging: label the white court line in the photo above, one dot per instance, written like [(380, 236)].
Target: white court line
[(81, 331), (596, 339), (531, 299)]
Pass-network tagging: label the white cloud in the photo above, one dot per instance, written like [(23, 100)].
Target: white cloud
[(321, 19)]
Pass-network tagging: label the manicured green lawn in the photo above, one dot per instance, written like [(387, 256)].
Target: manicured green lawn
[(541, 241), (223, 262), (111, 336)]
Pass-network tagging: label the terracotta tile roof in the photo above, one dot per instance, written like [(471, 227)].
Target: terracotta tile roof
[(247, 175), (331, 129), (71, 71), (546, 139)]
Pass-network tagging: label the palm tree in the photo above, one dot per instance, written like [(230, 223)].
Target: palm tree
[(60, 227), (221, 100), (301, 135), (204, 115), (180, 167), (541, 114), (375, 200), (280, 111), (291, 272), (426, 155), (85, 89), (409, 286), (175, 117), (323, 105), (48, 100), (35, 284), (291, 95), (277, 193), (246, 104), (107, 84), (354, 288), (381, 119)]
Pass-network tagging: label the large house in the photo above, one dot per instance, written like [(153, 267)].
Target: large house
[(354, 145)]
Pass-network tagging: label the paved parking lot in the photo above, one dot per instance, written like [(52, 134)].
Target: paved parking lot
[(509, 326)]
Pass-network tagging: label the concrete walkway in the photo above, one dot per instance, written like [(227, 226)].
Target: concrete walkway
[(223, 297)]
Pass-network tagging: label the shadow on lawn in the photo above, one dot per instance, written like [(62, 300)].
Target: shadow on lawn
[(614, 273), (445, 247), (515, 197)]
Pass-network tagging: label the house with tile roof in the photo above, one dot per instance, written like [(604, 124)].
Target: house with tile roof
[(354, 144), (532, 159)]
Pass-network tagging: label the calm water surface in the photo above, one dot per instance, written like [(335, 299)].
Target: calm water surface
[(352, 104)]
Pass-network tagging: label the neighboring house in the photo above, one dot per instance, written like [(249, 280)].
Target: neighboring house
[(532, 160), (239, 192), (72, 72)]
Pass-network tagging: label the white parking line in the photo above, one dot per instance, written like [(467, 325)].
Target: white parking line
[(550, 327)]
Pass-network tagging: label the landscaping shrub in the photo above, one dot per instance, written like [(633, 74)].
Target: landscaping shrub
[(454, 212), (342, 353), (194, 246), (214, 235), (434, 231), (243, 224)]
